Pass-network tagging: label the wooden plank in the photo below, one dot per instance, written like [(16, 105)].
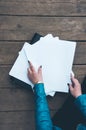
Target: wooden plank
[(14, 99), (44, 8), (81, 6), (80, 54), (21, 120), (17, 120), (40, 1), (9, 52), (23, 28), (4, 77), (80, 72), (38, 7)]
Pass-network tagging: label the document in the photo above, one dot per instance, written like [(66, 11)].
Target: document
[(56, 57)]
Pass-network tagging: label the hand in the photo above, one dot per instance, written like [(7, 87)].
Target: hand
[(75, 87), (35, 76)]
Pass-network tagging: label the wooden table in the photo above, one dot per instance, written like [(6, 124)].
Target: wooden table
[(19, 20)]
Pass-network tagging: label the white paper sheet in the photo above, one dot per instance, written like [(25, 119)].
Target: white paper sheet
[(55, 56)]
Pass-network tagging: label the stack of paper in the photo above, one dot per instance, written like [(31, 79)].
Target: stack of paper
[(56, 57)]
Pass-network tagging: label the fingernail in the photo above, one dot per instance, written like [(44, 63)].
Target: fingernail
[(40, 66), (28, 61), (68, 84)]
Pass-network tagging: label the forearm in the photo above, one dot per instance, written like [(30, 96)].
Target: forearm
[(81, 104), (43, 119)]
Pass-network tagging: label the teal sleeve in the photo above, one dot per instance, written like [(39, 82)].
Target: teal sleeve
[(43, 119), (81, 104)]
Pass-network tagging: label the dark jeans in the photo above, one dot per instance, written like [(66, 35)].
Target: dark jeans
[(69, 116)]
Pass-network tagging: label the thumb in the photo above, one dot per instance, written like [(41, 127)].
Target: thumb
[(40, 70), (71, 88), (73, 80)]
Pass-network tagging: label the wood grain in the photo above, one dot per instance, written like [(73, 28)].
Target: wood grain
[(23, 28), (80, 72), (18, 120), (43, 8), (81, 7), (22, 120), (38, 7), (9, 51), (23, 99), (80, 53)]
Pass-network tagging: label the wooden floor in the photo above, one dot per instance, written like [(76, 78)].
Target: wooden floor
[(19, 20)]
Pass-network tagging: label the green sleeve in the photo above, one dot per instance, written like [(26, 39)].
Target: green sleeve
[(81, 104), (43, 119)]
